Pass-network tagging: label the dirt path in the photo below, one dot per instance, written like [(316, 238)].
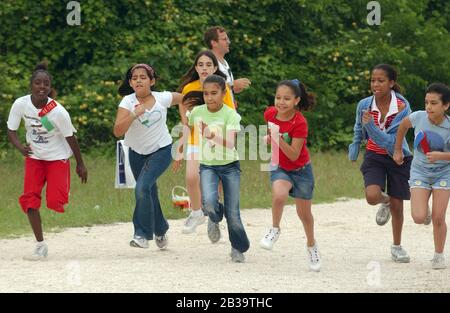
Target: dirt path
[(355, 253)]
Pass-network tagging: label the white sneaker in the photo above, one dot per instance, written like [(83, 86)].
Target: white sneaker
[(162, 241), (270, 238), (192, 222), (383, 214), (139, 242), (314, 258), (399, 254), (438, 262), (428, 218), (40, 253)]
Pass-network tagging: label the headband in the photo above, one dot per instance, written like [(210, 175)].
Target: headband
[(146, 66)]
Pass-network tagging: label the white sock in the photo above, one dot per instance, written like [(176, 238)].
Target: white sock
[(41, 243), (197, 213), (277, 229), (438, 254)]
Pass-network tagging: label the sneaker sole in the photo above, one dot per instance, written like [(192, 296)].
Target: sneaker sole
[(135, 245), (265, 247), (439, 267), (314, 269), (400, 260)]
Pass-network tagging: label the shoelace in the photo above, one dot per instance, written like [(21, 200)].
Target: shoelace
[(271, 235), (314, 255)]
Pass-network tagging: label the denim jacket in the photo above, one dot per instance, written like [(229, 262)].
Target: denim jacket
[(384, 139)]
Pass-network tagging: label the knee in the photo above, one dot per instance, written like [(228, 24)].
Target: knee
[(418, 218), (141, 191), (438, 221), (209, 203), (304, 215), (192, 179), (279, 198), (372, 199)]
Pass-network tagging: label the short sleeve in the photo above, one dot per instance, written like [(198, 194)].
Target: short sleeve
[(165, 98), (301, 128), (126, 103), (233, 122), (270, 113), (15, 115), (63, 123), (414, 118)]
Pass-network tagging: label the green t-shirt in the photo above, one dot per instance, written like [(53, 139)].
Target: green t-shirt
[(220, 122)]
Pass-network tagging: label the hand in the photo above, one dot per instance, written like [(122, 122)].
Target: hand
[(82, 173), (139, 109), (241, 84), (398, 157), (176, 165), (26, 151), (366, 117), (189, 103), (206, 132), (434, 156)]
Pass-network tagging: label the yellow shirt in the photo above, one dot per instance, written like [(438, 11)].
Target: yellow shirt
[(197, 86)]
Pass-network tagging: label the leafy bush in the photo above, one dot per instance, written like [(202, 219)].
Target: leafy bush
[(326, 44)]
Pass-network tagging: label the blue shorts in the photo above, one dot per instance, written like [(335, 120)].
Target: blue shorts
[(302, 181), (430, 178)]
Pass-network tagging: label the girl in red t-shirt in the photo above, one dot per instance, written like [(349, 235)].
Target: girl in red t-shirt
[(291, 171)]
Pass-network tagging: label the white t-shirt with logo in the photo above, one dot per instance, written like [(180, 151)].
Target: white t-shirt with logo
[(148, 133), (47, 140)]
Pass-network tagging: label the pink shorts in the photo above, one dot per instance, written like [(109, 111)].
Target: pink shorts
[(57, 176)]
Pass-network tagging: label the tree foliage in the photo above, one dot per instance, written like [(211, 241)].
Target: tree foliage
[(326, 44)]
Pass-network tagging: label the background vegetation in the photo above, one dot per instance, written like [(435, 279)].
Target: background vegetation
[(328, 44)]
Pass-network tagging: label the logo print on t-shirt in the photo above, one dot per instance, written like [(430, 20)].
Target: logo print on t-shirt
[(150, 118)]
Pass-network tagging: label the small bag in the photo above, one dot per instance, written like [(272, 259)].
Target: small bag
[(182, 202), (124, 175)]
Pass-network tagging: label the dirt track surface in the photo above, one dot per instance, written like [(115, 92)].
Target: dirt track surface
[(355, 258)]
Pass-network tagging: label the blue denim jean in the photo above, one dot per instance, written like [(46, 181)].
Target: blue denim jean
[(230, 175), (148, 218)]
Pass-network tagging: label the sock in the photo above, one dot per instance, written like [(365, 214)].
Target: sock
[(41, 243), (197, 213)]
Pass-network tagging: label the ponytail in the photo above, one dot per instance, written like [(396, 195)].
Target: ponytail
[(391, 73), (125, 89), (307, 100)]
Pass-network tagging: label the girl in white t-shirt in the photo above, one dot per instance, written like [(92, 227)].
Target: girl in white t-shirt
[(50, 143), (141, 117)]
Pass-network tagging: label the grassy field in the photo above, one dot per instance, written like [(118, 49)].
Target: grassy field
[(99, 203)]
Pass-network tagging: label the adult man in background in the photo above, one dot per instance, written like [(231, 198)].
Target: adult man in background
[(216, 39)]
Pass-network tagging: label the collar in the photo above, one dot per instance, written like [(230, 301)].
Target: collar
[(393, 106)]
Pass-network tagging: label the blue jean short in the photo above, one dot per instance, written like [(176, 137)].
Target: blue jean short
[(430, 178), (302, 181)]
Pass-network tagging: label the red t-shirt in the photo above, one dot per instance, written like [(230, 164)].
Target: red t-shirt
[(297, 127)]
